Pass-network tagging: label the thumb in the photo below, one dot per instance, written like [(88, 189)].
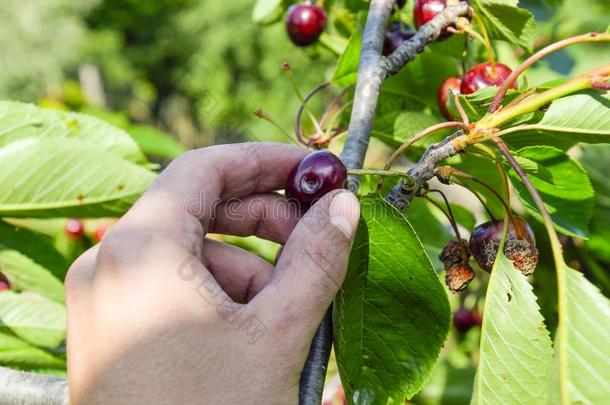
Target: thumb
[(313, 263)]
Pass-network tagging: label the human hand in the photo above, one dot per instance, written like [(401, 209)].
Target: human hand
[(159, 314)]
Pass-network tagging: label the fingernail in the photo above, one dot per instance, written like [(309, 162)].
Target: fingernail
[(344, 213)]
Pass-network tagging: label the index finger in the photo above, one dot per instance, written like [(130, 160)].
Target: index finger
[(192, 186)]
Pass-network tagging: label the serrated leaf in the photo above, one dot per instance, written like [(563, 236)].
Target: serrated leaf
[(26, 275), (20, 121), (62, 177), (583, 340), (392, 314), (516, 350), (504, 20), (33, 318), (578, 118), (17, 353), (563, 184), (475, 105), (266, 10)]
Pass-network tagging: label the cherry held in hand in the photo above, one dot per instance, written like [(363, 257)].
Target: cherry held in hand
[(315, 175), (305, 22)]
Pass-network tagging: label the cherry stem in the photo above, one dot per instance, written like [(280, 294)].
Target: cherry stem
[(503, 174), (460, 108), (298, 131), (448, 213), (548, 221), (379, 172), (491, 57), (421, 134), (590, 37), (465, 175), (262, 114)]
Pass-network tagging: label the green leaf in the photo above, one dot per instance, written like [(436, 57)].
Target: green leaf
[(266, 11), (475, 105), (583, 340), (46, 177), (36, 245), (33, 318), (578, 118), (563, 185), (17, 353), (155, 142), (394, 128), (515, 350), (346, 72), (19, 121), (504, 20), (26, 275), (392, 315)]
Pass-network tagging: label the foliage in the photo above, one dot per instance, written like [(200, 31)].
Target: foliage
[(183, 73)]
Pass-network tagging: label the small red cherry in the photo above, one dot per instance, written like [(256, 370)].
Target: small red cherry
[(444, 92), (425, 10), (464, 320), (485, 75), (305, 22), (4, 283), (315, 175), (99, 234), (74, 228)]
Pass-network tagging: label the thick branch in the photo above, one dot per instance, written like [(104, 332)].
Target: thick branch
[(401, 194), (370, 77), (20, 388), (425, 35)]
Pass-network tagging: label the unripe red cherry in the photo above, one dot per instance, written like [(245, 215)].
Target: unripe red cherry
[(520, 245), (444, 92), (425, 10), (74, 228), (4, 283), (99, 234), (315, 175), (305, 22), (464, 320), (485, 75), (394, 36)]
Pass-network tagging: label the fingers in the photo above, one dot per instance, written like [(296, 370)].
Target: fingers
[(239, 273), (313, 263), (184, 198), (268, 216)]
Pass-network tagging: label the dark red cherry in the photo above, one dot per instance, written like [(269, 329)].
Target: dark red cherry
[(464, 320), (74, 228), (315, 175), (485, 75), (442, 96), (305, 22), (426, 10), (520, 245), (394, 36), (4, 283)]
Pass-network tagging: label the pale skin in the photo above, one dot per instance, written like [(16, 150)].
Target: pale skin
[(158, 313)]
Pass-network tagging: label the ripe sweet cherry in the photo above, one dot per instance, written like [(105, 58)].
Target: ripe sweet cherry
[(520, 245), (315, 175), (305, 22), (444, 92), (425, 10), (394, 36), (485, 75), (74, 228)]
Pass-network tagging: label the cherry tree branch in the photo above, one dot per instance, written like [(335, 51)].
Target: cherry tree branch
[(21, 388), (374, 68)]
